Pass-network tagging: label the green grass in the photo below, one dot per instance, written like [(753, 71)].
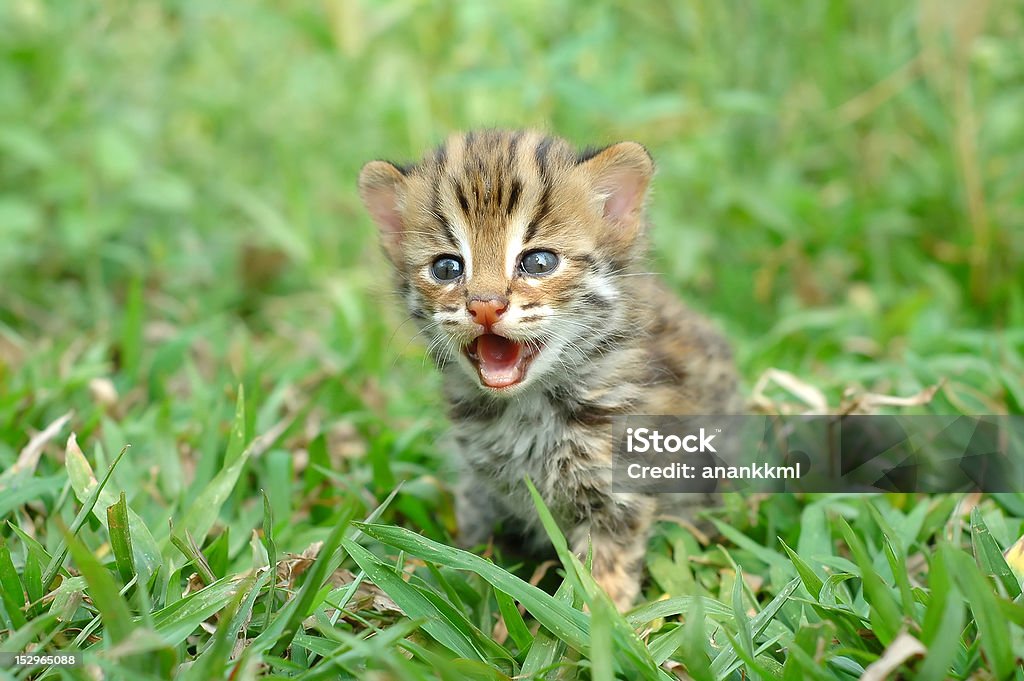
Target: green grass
[(185, 268)]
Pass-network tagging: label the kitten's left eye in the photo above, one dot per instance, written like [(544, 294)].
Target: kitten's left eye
[(538, 262)]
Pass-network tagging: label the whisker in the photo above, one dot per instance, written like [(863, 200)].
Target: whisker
[(427, 327)]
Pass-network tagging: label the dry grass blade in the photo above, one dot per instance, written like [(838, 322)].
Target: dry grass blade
[(866, 403), (29, 456), (813, 399), (899, 651)]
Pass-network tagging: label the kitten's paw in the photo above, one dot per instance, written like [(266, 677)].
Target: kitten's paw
[(472, 534), (475, 517), (621, 588)]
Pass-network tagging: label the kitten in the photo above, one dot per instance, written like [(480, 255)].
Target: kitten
[(523, 262)]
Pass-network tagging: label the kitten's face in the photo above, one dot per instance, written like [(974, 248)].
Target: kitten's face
[(508, 246)]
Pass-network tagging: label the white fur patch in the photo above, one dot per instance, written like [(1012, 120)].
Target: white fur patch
[(514, 245), (461, 230)]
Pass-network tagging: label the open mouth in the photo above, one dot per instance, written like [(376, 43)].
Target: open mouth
[(501, 362)]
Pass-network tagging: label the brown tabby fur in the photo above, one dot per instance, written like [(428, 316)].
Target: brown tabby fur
[(614, 339)]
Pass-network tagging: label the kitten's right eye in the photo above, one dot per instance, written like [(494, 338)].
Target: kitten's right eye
[(447, 268)]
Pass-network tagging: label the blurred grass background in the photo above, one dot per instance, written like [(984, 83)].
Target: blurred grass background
[(839, 186), (839, 183)]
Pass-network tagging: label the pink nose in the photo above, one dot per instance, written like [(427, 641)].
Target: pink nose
[(486, 311)]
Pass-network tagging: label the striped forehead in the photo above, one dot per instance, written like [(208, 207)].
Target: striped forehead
[(488, 172), (491, 190)]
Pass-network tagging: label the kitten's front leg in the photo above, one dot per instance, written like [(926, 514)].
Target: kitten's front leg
[(477, 510), (617, 534)]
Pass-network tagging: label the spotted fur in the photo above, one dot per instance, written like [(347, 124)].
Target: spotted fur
[(612, 340)]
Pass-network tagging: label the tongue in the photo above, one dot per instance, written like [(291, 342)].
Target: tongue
[(498, 358)]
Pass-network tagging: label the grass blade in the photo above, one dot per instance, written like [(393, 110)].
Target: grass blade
[(121, 539), (602, 656), (746, 638), (19, 640), (33, 581), (145, 550), (271, 546), (807, 575), (666, 645), (188, 548), (203, 513), (180, 619), (87, 507), (695, 656), (117, 619), (34, 547), (546, 649), (452, 634), (514, 623), (885, 612), (562, 620), (678, 605), (993, 629), (14, 496), (323, 565), (210, 663), (944, 623), (236, 439), (625, 639), (11, 588), (989, 556)]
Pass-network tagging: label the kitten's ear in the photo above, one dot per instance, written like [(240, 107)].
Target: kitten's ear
[(381, 185), (620, 175)]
